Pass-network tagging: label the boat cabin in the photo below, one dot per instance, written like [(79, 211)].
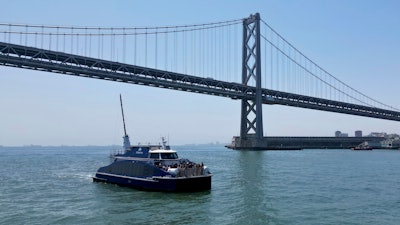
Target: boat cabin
[(163, 154), (155, 152)]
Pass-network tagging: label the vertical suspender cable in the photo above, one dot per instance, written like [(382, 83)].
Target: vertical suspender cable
[(176, 49), (77, 43), (112, 45), (20, 37), (26, 35), (98, 43), (36, 39), (145, 54), (134, 46), (225, 50), (220, 57), (86, 36), (184, 52), (203, 49), (156, 48), (123, 46), (72, 40), (57, 35), (102, 45), (41, 39), (50, 41), (166, 50), (265, 59), (228, 52), (90, 44), (272, 62), (194, 54)]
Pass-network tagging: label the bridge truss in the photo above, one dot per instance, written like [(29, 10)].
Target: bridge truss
[(69, 64)]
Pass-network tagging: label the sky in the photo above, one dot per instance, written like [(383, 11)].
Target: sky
[(356, 41)]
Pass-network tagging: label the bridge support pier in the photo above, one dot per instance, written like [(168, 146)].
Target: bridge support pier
[(249, 142)]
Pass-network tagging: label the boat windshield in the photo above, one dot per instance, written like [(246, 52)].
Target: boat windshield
[(154, 156), (169, 155)]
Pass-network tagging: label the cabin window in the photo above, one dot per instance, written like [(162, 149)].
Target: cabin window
[(154, 156), (169, 156)]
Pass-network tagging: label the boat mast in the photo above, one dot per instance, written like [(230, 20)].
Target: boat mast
[(122, 110), (127, 143)]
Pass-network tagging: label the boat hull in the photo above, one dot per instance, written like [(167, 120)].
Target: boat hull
[(362, 149), (167, 184)]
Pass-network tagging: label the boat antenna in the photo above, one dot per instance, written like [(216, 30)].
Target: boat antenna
[(127, 143), (122, 110)]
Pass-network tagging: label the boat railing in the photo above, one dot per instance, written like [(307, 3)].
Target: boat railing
[(190, 170), (116, 152), (182, 168)]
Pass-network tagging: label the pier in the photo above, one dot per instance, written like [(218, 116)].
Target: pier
[(298, 143)]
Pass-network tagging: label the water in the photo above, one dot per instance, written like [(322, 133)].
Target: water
[(53, 185)]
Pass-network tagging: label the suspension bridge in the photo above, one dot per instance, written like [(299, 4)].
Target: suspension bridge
[(243, 59)]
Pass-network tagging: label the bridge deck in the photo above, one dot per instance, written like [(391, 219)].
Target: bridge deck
[(64, 63)]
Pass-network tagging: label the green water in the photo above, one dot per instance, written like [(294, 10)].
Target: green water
[(53, 185)]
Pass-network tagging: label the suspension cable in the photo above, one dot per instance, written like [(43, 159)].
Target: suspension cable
[(321, 69)]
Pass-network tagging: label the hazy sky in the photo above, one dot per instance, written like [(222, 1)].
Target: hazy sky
[(356, 41)]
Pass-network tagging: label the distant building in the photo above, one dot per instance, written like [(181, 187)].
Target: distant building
[(340, 134), (358, 133), (378, 134)]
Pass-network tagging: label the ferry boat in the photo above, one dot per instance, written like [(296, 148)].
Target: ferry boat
[(153, 168)]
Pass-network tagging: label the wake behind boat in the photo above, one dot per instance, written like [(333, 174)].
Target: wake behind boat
[(155, 168)]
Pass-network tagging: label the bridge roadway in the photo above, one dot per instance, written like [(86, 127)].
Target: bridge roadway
[(58, 62)]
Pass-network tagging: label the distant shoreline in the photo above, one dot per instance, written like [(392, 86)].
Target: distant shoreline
[(101, 146)]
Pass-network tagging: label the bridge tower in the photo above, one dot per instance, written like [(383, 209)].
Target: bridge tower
[(251, 129)]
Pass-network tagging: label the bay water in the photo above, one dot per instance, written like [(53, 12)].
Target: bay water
[(53, 185)]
